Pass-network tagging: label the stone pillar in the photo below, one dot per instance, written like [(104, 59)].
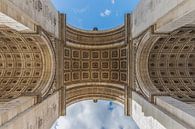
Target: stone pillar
[(129, 44), (150, 116), (183, 14), (9, 110), (23, 113), (182, 111), (60, 63)]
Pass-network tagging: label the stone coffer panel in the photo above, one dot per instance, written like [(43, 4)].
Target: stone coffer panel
[(96, 65)]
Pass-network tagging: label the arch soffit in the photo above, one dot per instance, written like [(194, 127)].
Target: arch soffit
[(31, 52), (100, 50), (145, 48)]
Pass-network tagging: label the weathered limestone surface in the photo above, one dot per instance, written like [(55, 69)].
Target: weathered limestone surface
[(183, 14), (9, 110), (10, 22), (31, 13), (149, 11), (166, 15), (181, 110), (40, 116), (192, 104), (149, 116)]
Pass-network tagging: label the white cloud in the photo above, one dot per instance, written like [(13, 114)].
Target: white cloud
[(107, 12), (113, 1), (89, 115)]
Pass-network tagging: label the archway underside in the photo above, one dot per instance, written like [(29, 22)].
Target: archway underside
[(23, 69), (95, 37), (95, 65), (94, 92), (170, 64)]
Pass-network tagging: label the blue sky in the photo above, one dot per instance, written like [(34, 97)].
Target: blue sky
[(87, 14), (90, 115)]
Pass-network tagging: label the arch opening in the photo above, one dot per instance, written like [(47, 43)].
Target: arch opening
[(87, 114), (95, 92), (87, 16)]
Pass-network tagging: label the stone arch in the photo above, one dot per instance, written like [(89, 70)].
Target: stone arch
[(26, 64), (166, 64), (95, 91), (100, 37), (143, 78), (95, 65)]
